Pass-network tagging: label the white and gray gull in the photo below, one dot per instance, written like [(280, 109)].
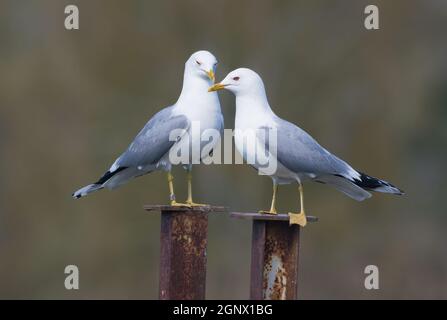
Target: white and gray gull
[(150, 150), (298, 156)]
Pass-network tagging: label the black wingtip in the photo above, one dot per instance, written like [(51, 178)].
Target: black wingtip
[(75, 196), (374, 184), (109, 175)]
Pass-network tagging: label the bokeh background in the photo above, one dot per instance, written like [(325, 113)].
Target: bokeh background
[(71, 101)]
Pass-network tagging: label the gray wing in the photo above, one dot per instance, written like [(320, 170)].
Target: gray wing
[(152, 142), (300, 153)]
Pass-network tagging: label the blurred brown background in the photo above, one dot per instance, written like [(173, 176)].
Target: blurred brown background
[(71, 101)]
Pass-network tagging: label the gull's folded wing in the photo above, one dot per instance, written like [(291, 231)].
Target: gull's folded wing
[(299, 152), (153, 142)]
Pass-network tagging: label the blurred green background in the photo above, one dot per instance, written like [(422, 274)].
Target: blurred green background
[(71, 101)]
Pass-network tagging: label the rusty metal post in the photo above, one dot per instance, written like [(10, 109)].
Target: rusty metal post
[(274, 256), (183, 244)]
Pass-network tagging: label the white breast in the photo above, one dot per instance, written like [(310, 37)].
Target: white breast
[(204, 113), (248, 120)]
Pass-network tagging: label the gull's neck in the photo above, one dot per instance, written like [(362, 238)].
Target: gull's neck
[(253, 110), (193, 85)]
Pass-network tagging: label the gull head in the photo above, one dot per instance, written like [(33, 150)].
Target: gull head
[(241, 81), (202, 64)]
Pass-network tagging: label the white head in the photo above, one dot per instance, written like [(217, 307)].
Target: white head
[(201, 64), (241, 81)]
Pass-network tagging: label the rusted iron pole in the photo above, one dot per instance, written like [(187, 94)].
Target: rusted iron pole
[(274, 256), (183, 244)]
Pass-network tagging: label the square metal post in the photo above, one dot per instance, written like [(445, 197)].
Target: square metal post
[(183, 245), (274, 256)]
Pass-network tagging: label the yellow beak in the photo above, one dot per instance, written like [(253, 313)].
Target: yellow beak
[(216, 87), (211, 75)]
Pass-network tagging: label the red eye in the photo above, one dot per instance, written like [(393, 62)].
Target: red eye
[(199, 63), (236, 78)]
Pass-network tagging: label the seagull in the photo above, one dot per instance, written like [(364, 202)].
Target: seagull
[(298, 156), (150, 150)]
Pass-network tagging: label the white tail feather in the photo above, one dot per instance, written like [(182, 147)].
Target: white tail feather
[(86, 190), (113, 181)]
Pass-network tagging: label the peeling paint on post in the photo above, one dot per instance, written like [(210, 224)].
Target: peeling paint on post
[(183, 245), (183, 242), (280, 270), (274, 256)]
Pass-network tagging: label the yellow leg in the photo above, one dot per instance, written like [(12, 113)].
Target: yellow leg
[(171, 191), (299, 218), (189, 201), (273, 206)]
